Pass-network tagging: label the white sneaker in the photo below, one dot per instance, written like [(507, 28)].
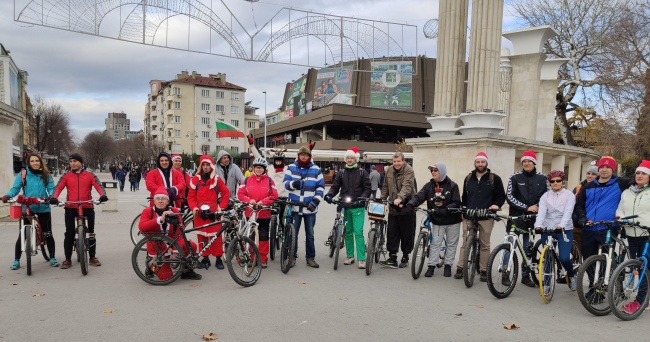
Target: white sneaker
[(348, 261), (573, 283), (362, 264)]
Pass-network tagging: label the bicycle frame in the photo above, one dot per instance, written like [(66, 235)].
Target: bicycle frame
[(513, 239)]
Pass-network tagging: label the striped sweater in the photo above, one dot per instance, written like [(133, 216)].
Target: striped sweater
[(313, 186)]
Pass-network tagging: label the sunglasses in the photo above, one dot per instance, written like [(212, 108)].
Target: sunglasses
[(434, 170), (555, 181)]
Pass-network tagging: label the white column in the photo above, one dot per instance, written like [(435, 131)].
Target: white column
[(558, 162), (575, 174), (324, 132)]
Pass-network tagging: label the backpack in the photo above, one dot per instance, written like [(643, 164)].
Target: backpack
[(23, 176), (490, 180)]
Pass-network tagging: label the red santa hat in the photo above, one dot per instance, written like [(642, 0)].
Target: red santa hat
[(176, 156), (161, 192), (644, 167), (607, 161), (529, 155), (352, 152), (481, 155)]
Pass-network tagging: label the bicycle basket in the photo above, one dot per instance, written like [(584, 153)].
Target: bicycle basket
[(15, 211), (376, 211)]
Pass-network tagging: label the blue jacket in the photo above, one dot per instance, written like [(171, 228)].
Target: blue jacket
[(120, 174), (34, 187), (313, 186), (598, 202)]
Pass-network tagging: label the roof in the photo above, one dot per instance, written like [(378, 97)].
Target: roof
[(206, 82)]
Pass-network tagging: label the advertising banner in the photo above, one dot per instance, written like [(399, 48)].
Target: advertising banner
[(391, 85), (296, 99), (329, 83)]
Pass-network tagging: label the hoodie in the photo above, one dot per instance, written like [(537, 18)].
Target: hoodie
[(230, 174)]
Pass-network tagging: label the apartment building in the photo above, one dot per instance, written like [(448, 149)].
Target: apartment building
[(118, 126), (181, 113)]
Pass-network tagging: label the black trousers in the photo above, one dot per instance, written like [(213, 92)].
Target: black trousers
[(45, 220), (70, 230), (400, 232)]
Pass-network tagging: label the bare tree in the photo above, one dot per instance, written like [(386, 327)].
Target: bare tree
[(53, 133), (98, 148)]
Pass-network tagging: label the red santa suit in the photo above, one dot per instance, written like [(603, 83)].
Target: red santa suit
[(168, 178), (208, 190), (261, 189)]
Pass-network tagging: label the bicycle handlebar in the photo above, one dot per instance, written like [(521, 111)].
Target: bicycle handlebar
[(556, 230), (61, 204), (623, 220), (27, 200)]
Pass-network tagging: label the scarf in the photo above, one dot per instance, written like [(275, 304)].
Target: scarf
[(353, 166), (635, 188)]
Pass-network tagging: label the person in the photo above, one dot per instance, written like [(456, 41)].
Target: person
[(248, 172), (331, 87), (133, 179), (154, 219), (482, 189), (230, 174), (353, 184), (374, 177), (524, 190), (207, 188), (165, 175), (138, 178), (398, 189), (591, 174), (598, 201), (177, 164), (635, 200), (275, 171), (441, 194), (120, 174), (35, 181), (555, 209), (113, 170), (305, 184), (257, 190), (79, 183)]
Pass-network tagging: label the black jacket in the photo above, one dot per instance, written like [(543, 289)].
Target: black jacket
[(353, 183), (450, 191), (524, 190), (480, 194)]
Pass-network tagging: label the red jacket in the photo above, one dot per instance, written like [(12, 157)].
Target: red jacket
[(79, 186), (155, 180), (149, 222), (258, 188), (207, 192)]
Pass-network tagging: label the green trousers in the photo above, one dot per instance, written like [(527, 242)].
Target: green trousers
[(354, 232)]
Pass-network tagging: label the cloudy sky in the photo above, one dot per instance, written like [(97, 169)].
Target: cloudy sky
[(91, 76)]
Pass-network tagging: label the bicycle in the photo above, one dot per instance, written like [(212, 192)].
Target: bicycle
[(549, 264), (631, 280), (274, 233), (595, 273), (82, 238), (472, 242), (376, 234), (287, 236), (188, 221), (165, 262), (503, 264), (31, 235), (337, 234), (421, 248)]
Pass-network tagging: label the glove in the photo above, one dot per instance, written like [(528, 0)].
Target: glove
[(103, 198), (582, 221), (5, 198), (360, 203), (54, 201), (442, 211), (171, 192), (328, 198), (297, 184), (312, 206), (251, 141), (311, 145)]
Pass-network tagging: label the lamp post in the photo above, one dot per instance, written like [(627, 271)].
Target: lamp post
[(264, 118), (192, 135), (54, 149)]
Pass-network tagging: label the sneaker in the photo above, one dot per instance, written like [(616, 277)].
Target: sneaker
[(447, 272), (526, 280), (404, 263), (573, 283), (54, 262), (459, 273), (264, 265), (362, 264), (505, 279), (15, 265), (595, 297), (204, 264), (631, 307), (191, 275), (348, 261), (561, 280), (312, 263), (66, 264), (293, 263), (218, 263), (483, 277), (430, 270), (94, 262), (392, 263)]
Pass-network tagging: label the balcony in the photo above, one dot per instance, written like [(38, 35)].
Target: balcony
[(169, 112), (170, 98)]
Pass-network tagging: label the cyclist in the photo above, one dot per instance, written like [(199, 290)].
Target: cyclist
[(230, 174), (482, 189), (154, 219), (524, 190), (398, 188), (555, 209), (352, 182), (79, 184), (591, 174), (259, 189), (304, 181), (440, 193), (35, 181), (165, 175), (208, 188), (636, 201)]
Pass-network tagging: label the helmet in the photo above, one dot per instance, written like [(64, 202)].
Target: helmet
[(261, 162), (555, 174), (278, 155)]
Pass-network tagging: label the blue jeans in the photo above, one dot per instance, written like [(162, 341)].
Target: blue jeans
[(310, 221), (637, 244), (564, 250)]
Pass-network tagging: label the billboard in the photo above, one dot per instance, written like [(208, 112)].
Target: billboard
[(329, 82), (391, 85), (296, 99)]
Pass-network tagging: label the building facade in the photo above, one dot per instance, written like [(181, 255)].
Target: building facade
[(117, 125)]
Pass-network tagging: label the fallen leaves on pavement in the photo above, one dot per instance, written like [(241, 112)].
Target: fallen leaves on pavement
[(109, 310), (303, 282), (511, 326), (38, 294), (210, 337), (480, 306), (195, 285)]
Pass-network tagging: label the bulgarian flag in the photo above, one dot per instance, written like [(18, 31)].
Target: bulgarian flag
[(225, 130)]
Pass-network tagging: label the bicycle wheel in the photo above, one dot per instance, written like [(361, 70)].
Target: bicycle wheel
[(379, 248), (470, 263), (28, 248), (419, 254), (244, 261), (576, 256), (500, 281), (135, 230), (40, 241), (370, 250), (82, 253), (273, 227), (288, 248), (331, 238), (162, 264), (340, 231), (591, 287), (547, 274), (442, 253), (534, 262), (628, 292)]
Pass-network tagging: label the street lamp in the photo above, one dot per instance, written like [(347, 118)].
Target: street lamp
[(264, 118), (192, 135), (54, 149)]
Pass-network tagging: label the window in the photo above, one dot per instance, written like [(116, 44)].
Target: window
[(219, 94), (176, 147), (251, 124), (220, 120), (177, 132), (234, 109), (234, 138), (234, 96), (205, 134), (234, 123), (205, 148), (220, 109), (205, 106), (177, 105), (177, 91), (205, 93), (177, 119), (205, 121), (234, 149)]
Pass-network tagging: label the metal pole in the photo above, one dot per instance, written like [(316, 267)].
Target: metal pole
[(264, 119)]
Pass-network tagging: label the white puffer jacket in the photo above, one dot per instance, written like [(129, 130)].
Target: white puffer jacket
[(635, 204)]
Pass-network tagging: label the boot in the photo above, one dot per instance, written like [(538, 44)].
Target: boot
[(205, 263), (483, 277), (459, 273), (430, 270), (218, 263), (447, 273), (526, 280)]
